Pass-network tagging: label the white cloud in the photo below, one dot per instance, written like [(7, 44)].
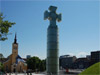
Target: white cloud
[(71, 54), (82, 54), (78, 55)]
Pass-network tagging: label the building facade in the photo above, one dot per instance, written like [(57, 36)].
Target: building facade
[(14, 62), (95, 57), (81, 63), (66, 61)]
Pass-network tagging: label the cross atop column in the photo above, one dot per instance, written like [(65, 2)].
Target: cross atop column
[(52, 15)]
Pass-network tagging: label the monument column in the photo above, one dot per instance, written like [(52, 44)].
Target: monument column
[(52, 62)]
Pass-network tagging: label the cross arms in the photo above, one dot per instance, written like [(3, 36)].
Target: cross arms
[(58, 17), (47, 15)]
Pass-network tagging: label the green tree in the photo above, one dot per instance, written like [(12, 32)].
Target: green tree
[(33, 63), (4, 27), (42, 65), (1, 67), (36, 64)]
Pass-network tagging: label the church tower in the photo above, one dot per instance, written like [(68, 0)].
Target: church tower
[(14, 50)]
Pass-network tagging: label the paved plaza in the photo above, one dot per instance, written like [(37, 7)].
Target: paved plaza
[(62, 72), (39, 74), (25, 74)]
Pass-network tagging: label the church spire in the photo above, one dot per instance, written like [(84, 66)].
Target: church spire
[(15, 40)]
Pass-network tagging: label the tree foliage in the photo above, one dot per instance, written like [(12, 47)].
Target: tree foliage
[(36, 64), (1, 67), (42, 65), (4, 27)]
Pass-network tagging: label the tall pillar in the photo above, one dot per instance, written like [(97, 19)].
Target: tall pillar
[(52, 62)]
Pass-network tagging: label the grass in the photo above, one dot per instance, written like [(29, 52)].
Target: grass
[(92, 70)]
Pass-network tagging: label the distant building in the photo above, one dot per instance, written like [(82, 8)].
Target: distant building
[(14, 62), (88, 57), (81, 63), (95, 57), (28, 56), (66, 61)]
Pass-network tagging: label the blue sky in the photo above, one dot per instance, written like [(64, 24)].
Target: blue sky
[(78, 30)]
